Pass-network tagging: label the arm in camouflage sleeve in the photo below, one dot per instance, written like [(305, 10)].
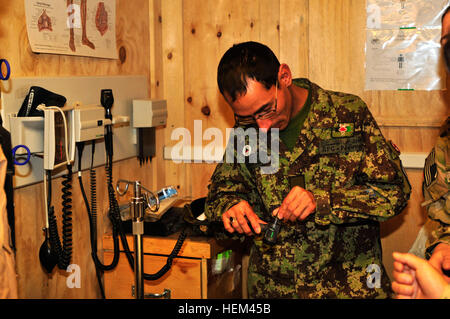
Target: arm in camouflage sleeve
[(230, 184), (436, 189), (438, 211), (381, 189)]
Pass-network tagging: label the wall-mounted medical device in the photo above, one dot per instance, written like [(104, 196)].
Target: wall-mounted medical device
[(59, 146), (149, 113), (89, 122)]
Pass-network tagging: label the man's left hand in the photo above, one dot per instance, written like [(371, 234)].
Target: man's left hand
[(297, 205)]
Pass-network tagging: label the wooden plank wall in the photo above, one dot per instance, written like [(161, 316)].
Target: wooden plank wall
[(133, 40), (178, 44)]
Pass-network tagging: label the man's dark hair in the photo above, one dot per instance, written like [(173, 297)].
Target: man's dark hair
[(247, 60)]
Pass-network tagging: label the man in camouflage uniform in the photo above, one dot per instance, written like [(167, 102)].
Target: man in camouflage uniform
[(433, 240), (437, 200), (336, 179), (437, 180)]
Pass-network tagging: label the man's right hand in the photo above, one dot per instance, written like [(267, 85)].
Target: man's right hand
[(235, 219)]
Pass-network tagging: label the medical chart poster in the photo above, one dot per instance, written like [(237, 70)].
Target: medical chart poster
[(403, 49), (72, 27)]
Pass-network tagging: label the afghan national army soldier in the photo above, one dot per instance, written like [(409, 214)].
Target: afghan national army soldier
[(316, 161)]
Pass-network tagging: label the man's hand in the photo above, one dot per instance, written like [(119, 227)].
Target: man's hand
[(297, 205), (440, 259), (235, 219), (416, 278)]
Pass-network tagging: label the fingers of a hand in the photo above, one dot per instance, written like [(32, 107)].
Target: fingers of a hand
[(299, 204), (275, 211), (403, 278), (410, 260), (398, 266), (242, 225), (255, 221), (288, 204), (227, 222), (402, 291), (436, 260), (446, 263), (308, 211)]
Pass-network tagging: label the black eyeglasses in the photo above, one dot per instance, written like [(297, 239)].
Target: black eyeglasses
[(266, 112)]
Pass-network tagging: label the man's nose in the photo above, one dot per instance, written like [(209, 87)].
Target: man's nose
[(264, 124)]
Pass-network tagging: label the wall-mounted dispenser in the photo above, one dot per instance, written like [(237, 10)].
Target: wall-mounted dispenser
[(147, 114)]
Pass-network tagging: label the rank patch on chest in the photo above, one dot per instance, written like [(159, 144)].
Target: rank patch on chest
[(341, 145)]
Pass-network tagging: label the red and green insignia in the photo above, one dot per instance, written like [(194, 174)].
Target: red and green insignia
[(344, 130)]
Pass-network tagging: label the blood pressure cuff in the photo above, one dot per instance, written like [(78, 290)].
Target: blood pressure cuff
[(36, 96)]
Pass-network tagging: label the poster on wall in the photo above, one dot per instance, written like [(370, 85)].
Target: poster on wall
[(72, 27), (403, 50)]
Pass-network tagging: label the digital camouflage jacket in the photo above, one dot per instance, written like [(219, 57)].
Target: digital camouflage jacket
[(436, 189), (355, 175)]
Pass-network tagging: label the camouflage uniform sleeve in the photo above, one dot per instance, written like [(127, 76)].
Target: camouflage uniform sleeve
[(380, 189), (230, 184), (436, 192)]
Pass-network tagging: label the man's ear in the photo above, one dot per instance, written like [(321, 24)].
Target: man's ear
[(285, 75)]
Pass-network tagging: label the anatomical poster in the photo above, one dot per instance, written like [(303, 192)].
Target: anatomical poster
[(72, 27), (403, 50)]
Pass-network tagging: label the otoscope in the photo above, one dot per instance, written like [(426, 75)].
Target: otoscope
[(271, 230), (271, 234), (107, 101)]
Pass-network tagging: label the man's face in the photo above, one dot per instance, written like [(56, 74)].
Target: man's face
[(259, 100), (445, 29), (445, 44)]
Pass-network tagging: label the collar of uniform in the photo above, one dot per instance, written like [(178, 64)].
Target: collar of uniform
[(314, 122)]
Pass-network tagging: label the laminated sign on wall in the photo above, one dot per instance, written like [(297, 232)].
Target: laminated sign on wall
[(73, 27), (403, 50)]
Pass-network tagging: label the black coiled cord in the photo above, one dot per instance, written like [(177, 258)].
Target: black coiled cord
[(64, 252), (92, 216), (67, 219)]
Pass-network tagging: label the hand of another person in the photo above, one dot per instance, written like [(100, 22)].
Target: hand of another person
[(297, 205), (440, 259), (237, 218), (416, 278)]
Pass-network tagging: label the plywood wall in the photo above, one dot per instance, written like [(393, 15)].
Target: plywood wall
[(177, 44)]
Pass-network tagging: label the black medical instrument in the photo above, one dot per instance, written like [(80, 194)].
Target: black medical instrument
[(272, 231), (140, 202), (60, 252)]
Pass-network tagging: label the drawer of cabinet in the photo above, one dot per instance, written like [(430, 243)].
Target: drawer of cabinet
[(183, 279)]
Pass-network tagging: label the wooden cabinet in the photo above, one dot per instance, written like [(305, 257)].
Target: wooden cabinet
[(190, 276)]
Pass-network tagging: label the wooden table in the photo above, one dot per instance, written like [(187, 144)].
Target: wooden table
[(191, 273)]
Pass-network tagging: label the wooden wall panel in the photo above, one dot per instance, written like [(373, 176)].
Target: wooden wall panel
[(171, 18), (132, 27), (409, 119), (178, 44)]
